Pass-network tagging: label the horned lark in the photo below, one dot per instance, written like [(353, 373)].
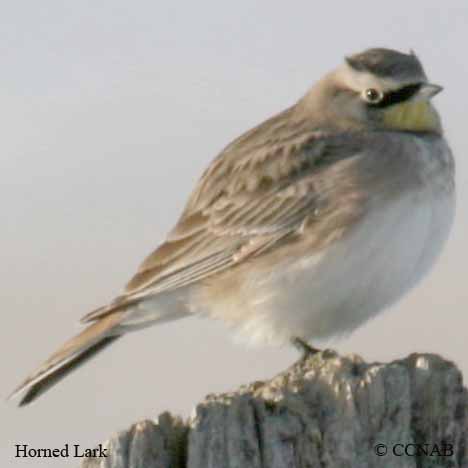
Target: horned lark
[(304, 227)]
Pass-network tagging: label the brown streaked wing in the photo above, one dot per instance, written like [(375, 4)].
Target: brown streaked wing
[(261, 197)]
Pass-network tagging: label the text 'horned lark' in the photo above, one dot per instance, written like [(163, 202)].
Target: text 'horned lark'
[(305, 226)]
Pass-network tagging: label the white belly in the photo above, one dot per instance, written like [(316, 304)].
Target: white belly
[(333, 293)]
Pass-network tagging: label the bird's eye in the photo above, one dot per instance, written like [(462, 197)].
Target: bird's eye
[(372, 96)]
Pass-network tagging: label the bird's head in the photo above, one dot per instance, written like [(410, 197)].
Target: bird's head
[(377, 88)]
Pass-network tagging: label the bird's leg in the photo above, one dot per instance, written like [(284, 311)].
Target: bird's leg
[(304, 348)]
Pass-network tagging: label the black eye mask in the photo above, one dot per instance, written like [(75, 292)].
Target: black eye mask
[(400, 95)]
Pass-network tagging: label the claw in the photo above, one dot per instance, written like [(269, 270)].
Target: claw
[(304, 348)]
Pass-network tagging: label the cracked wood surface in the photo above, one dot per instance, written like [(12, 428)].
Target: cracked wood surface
[(324, 411)]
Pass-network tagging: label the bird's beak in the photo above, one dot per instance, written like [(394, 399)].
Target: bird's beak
[(428, 91)]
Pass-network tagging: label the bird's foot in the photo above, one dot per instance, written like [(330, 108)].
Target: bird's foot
[(305, 349)]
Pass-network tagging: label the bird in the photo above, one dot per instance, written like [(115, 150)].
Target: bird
[(304, 227)]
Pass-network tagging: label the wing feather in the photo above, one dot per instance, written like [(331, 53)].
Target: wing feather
[(209, 239)]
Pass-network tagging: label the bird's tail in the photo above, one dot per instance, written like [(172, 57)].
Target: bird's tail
[(71, 355)]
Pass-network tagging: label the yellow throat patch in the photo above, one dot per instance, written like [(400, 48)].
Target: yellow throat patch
[(416, 116)]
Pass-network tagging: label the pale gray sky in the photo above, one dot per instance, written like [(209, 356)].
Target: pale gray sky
[(110, 111)]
